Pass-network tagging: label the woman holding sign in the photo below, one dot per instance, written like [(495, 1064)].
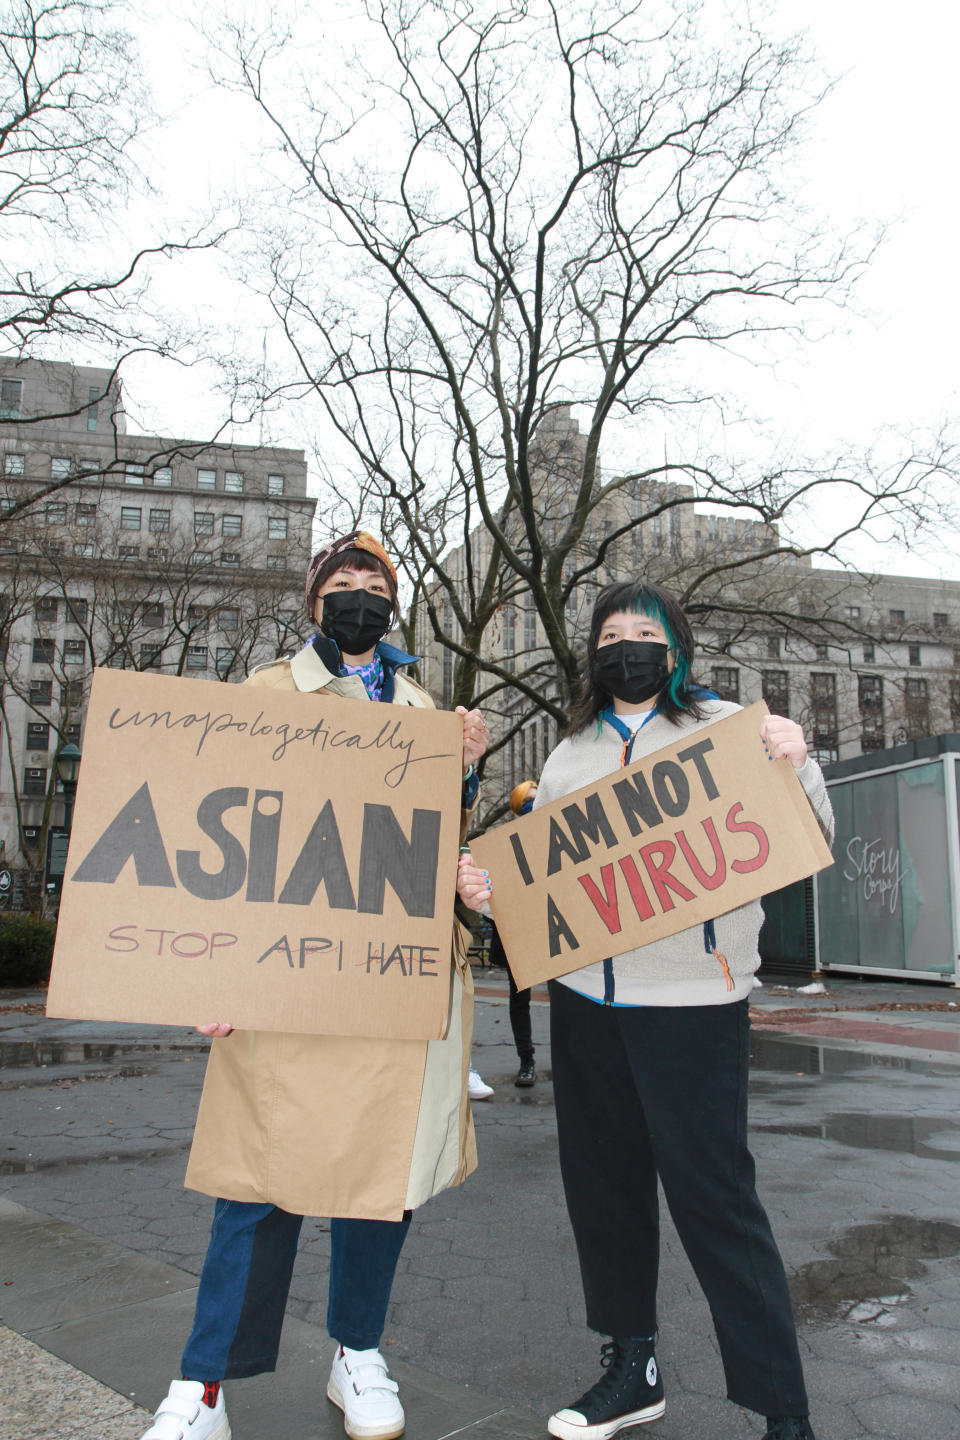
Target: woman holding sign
[(363, 1130), (650, 1054)]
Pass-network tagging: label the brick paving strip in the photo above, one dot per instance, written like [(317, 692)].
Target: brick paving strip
[(875, 1031)]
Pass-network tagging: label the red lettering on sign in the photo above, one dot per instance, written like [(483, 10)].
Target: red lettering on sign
[(663, 880), (735, 826), (716, 879), (606, 905), (639, 896)]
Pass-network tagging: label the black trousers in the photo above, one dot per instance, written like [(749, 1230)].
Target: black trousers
[(520, 1022), (652, 1091)]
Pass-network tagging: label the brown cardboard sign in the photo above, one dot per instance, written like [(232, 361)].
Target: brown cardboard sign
[(277, 860), (679, 837)]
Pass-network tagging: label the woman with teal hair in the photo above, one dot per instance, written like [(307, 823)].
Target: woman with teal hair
[(650, 1054)]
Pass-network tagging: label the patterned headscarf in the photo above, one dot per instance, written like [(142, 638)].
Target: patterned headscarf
[(320, 567)]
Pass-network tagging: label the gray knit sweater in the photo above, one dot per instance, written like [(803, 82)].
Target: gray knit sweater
[(677, 970)]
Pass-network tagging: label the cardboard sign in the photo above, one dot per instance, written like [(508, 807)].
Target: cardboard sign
[(277, 860), (677, 838)]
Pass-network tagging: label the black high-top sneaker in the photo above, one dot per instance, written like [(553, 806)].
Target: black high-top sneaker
[(630, 1393), (788, 1427)]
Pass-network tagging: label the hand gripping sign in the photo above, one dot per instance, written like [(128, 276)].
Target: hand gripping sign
[(276, 860), (679, 837)]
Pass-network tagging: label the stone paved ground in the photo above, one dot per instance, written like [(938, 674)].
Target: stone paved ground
[(857, 1149)]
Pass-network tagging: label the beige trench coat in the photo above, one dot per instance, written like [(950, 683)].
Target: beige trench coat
[(332, 1125)]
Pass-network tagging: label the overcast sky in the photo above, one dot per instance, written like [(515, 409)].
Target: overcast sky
[(882, 148)]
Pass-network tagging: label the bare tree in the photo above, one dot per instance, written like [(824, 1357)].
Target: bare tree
[(493, 212), (72, 104), (66, 610)]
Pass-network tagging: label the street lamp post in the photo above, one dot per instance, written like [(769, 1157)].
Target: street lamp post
[(68, 768)]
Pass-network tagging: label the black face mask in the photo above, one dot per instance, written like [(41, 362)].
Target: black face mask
[(632, 670), (355, 619)]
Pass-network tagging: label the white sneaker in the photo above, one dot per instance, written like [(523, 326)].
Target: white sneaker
[(360, 1384), (183, 1415), (477, 1088)]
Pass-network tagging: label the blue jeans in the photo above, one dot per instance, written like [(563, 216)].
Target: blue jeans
[(246, 1279)]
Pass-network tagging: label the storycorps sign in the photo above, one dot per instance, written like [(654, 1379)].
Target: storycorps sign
[(272, 859), (676, 838)]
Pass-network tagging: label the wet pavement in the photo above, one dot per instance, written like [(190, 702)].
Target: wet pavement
[(856, 1129)]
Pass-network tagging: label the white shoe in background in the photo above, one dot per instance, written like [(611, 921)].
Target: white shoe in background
[(477, 1088)]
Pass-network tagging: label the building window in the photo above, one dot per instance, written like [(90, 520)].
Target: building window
[(823, 690), (955, 704), (274, 484), (898, 617), (509, 632), (823, 652), (47, 609), (13, 464), (725, 680), (128, 552), (203, 523), (230, 559), (226, 658), (853, 612), (163, 477), (869, 654), (824, 750), (71, 694), (773, 647), (917, 707), (157, 552), (231, 524), (940, 620), (130, 517), (133, 474), (41, 692), (233, 482), (153, 615), (11, 393), (872, 734), (159, 521), (197, 617), (276, 562), (35, 780), (206, 479), (86, 515), (230, 618), (60, 467), (77, 610), (93, 407), (38, 735), (74, 652), (913, 654), (776, 691), (202, 557), (44, 652), (529, 627), (870, 692), (56, 512), (84, 549), (276, 528), (124, 613), (31, 836), (151, 657), (196, 657)]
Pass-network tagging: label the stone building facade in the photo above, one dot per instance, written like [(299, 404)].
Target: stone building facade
[(131, 551), (863, 662)]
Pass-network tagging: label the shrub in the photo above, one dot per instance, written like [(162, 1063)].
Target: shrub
[(26, 949)]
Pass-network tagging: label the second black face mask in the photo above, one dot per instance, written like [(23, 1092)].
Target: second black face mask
[(355, 619), (633, 670)]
